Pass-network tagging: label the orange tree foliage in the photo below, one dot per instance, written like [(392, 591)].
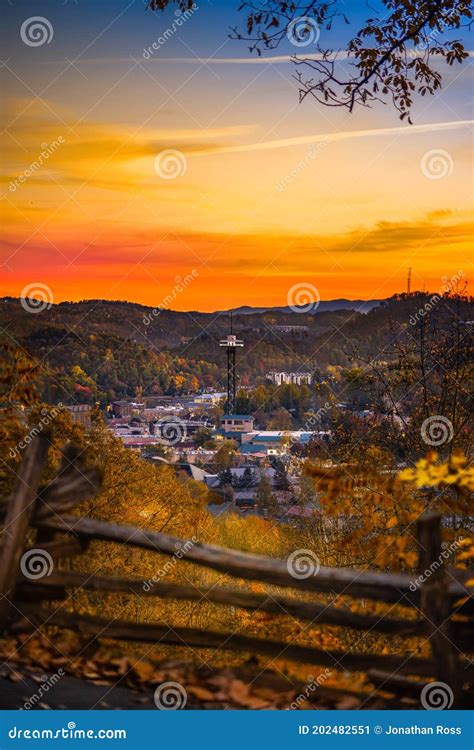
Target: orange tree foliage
[(454, 485), (372, 510)]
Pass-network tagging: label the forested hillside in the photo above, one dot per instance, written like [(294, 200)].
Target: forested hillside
[(99, 350)]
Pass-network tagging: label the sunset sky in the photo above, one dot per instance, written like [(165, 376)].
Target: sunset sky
[(97, 220)]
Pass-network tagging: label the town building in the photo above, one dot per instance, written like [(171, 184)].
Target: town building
[(81, 414), (235, 425), (299, 378), (290, 329), (273, 442), (208, 399), (127, 408)]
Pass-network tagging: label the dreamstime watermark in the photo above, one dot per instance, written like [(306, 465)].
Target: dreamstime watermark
[(303, 563), (448, 551), (45, 685), (48, 149), (303, 298), (170, 431), (47, 416), (303, 31), (437, 430), (447, 286), (179, 287), (36, 563), (317, 417), (181, 551), (181, 18), (170, 164), (71, 732), (170, 696), (312, 684), (424, 45), (36, 31), (313, 152), (36, 297), (437, 696), (436, 164)]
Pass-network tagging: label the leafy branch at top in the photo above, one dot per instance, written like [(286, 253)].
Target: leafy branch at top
[(391, 57)]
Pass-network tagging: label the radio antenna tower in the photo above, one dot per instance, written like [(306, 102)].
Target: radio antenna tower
[(231, 343), (409, 282)]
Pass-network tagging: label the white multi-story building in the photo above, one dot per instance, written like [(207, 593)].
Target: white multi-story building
[(299, 378), (291, 329)]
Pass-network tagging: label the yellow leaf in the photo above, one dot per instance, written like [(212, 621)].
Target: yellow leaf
[(392, 522)]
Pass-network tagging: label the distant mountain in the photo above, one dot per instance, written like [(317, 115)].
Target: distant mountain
[(102, 350), (358, 305)]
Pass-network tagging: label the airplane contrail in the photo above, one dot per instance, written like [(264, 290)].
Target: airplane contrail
[(336, 136), (209, 61), (262, 60)]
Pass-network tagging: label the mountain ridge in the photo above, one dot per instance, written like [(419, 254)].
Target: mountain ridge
[(331, 305), (341, 303)]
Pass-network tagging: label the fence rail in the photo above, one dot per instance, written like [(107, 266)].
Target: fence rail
[(45, 509)]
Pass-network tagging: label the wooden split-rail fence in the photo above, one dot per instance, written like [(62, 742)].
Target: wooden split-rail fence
[(36, 516)]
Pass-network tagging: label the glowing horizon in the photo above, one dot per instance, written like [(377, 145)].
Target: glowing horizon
[(267, 193)]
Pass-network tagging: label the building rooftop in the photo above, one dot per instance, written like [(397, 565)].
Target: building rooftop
[(249, 449), (210, 395), (267, 437), (237, 416)]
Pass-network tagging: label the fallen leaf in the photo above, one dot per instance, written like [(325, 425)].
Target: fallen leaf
[(201, 693)]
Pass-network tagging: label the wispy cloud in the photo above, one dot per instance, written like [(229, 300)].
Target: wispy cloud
[(209, 61), (262, 59), (339, 136), (255, 60), (103, 154)]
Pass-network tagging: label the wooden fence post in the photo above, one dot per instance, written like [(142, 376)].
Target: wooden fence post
[(435, 603), (19, 512)]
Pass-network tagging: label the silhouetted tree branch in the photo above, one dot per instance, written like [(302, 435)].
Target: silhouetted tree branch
[(390, 58)]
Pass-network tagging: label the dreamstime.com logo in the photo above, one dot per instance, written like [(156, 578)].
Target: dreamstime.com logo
[(46, 683), (423, 45), (303, 563), (303, 298), (303, 31), (313, 152), (170, 164), (170, 696), (36, 563), (448, 551), (317, 417), (437, 696), (181, 551), (47, 150), (36, 31), (71, 732), (170, 431), (447, 286), (47, 416), (36, 297), (181, 284), (437, 430), (436, 164), (180, 20), (312, 684)]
